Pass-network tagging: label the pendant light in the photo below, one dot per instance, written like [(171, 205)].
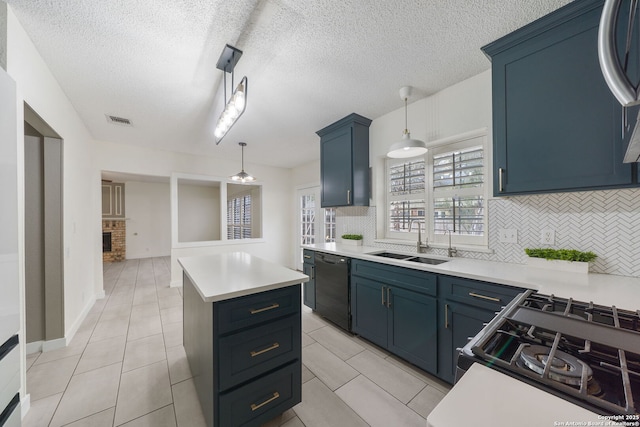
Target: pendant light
[(242, 176), (406, 147)]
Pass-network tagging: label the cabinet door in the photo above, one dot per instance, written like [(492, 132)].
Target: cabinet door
[(369, 310), (413, 331), (309, 288), (336, 168), (460, 322), (557, 127)]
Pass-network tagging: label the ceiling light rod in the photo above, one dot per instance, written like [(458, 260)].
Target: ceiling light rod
[(406, 147), (242, 176), (236, 104)]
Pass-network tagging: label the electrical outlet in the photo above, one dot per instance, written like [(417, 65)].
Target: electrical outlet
[(547, 236), (508, 235)]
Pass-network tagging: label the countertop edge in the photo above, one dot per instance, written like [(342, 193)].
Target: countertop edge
[(603, 289), (294, 279)]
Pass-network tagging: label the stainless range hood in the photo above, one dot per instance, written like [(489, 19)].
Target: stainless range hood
[(614, 72)]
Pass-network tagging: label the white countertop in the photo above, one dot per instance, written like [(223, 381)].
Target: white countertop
[(486, 397), (229, 275), (603, 289)]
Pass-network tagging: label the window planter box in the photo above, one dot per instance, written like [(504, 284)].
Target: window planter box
[(350, 242)]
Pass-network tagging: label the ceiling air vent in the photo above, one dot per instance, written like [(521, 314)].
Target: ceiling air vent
[(120, 121)]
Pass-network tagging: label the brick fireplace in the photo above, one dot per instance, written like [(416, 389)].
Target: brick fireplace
[(113, 240)]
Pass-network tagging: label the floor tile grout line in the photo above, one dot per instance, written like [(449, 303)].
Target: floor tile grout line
[(124, 353)]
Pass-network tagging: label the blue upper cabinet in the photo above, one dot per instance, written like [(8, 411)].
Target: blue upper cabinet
[(344, 162), (556, 125)]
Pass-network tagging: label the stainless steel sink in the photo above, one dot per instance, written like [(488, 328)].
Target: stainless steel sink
[(412, 258), (393, 255), (425, 260)]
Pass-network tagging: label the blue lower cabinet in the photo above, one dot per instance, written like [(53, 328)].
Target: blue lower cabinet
[(245, 354), (413, 329), (260, 401), (400, 320), (368, 310), (459, 323), (309, 288)]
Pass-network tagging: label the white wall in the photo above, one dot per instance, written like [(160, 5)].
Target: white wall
[(81, 224), (148, 212), (198, 213), (38, 87)]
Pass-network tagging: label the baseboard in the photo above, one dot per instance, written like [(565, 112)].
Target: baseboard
[(100, 295), (25, 405), (53, 344), (175, 284), (33, 347), (42, 346), (71, 332)]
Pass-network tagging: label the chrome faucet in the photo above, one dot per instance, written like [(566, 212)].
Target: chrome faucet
[(451, 252), (420, 247)]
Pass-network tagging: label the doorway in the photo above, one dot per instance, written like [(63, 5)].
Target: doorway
[(44, 272)]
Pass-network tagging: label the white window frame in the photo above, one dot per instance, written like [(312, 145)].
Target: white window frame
[(242, 226), (469, 139), (413, 233)]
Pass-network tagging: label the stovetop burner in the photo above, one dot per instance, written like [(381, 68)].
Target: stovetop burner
[(564, 367), (586, 353)]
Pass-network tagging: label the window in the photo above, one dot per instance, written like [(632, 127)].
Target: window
[(406, 208), (239, 217), (329, 225), (307, 219), (444, 191)]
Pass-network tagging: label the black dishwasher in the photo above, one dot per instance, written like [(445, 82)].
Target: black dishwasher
[(332, 288)]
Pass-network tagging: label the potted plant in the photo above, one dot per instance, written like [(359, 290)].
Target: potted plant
[(560, 259), (352, 239)]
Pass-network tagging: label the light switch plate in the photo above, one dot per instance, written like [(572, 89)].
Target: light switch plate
[(508, 235)]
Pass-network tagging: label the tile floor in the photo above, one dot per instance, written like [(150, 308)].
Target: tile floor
[(126, 367)]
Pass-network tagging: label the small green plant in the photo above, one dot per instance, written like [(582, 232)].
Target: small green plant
[(561, 254), (352, 236)]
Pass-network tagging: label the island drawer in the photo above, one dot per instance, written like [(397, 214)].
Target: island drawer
[(252, 352), (480, 294), (251, 310), (258, 402)]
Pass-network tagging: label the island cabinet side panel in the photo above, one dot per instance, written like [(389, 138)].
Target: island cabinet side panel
[(198, 344)]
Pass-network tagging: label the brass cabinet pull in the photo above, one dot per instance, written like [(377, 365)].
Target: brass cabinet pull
[(264, 350), (269, 400), (500, 186), (446, 316), (260, 310), (382, 294), (307, 256), (473, 294), (388, 297)]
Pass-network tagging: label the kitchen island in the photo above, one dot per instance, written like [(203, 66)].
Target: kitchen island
[(242, 336)]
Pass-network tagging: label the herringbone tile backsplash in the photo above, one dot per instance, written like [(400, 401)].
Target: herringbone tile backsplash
[(604, 222)]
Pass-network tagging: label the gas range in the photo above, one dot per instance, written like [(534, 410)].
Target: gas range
[(585, 353)]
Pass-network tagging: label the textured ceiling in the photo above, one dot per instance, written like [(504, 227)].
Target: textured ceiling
[(309, 63)]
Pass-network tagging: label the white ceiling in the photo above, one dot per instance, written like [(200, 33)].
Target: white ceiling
[(309, 63)]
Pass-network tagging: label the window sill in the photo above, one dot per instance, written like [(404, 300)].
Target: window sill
[(466, 248)]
